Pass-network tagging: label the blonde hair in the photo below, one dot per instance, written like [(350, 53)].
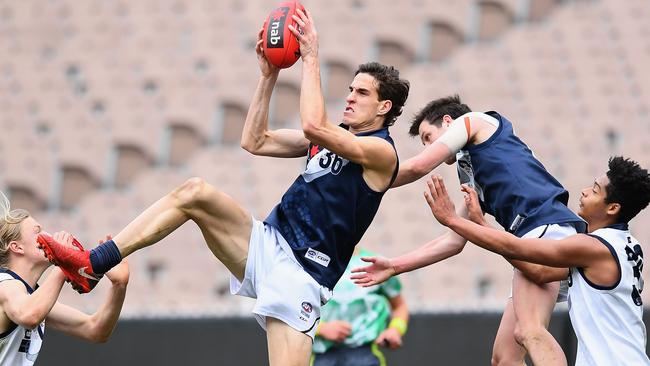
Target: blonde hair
[(10, 221)]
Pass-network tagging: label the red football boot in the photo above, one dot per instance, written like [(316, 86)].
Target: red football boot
[(74, 263)]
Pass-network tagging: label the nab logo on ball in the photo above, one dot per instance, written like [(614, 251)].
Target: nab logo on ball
[(281, 47), (275, 35)]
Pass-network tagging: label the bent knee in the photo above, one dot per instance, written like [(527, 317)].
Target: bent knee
[(525, 334), (190, 191), (508, 355), (499, 361), (496, 361)]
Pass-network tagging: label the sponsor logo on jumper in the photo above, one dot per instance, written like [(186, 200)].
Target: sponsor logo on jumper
[(318, 257)]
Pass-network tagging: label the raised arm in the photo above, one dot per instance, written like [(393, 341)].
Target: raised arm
[(370, 152), (574, 251), (98, 326), (29, 310), (447, 245), (256, 137), (535, 272)]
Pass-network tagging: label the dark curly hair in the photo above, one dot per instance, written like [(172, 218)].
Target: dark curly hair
[(391, 87), (435, 110), (629, 186)]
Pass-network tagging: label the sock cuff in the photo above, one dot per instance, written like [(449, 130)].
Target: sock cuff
[(104, 257)]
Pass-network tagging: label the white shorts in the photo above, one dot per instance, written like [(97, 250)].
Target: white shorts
[(279, 283), (554, 232)]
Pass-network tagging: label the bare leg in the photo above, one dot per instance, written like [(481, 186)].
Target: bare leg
[(287, 346), (225, 225), (506, 350), (533, 305)]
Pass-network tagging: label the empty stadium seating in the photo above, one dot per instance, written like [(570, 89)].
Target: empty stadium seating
[(106, 106)]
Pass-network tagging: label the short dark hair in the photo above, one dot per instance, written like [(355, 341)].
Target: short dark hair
[(629, 186), (436, 109), (391, 87)]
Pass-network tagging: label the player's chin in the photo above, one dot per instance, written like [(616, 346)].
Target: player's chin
[(44, 260), (347, 121), (581, 212)]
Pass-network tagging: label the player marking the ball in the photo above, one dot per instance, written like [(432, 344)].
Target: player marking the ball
[(291, 260)]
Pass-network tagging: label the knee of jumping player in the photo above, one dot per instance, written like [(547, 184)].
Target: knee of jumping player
[(498, 360), (507, 354), (190, 192), (527, 333)]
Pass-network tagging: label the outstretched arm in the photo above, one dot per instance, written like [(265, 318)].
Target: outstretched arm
[(98, 326), (458, 134), (445, 246), (423, 163), (574, 251), (256, 137), (381, 269)]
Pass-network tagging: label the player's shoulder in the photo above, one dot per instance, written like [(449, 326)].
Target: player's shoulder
[(380, 134), (490, 117), (378, 142), (379, 148), (9, 281), (588, 244), (10, 287)]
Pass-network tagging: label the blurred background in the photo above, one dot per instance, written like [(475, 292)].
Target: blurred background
[(106, 105)]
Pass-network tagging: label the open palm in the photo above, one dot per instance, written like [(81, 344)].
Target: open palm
[(377, 272)]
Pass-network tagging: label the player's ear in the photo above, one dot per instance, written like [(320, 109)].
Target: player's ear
[(384, 107), (447, 120), (16, 247), (613, 209)]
